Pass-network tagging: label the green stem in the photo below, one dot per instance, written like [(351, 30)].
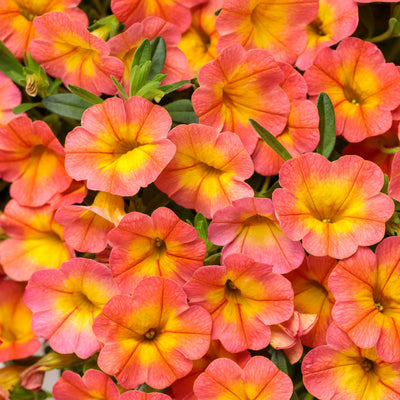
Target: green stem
[(388, 150), (380, 38)]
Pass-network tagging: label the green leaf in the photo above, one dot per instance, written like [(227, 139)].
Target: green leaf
[(10, 65), (138, 77), (279, 359), (119, 87), (294, 396), (158, 54), (326, 126), (173, 86), (271, 140), (181, 112), (201, 225), (85, 95), (25, 107), (67, 105), (142, 53)]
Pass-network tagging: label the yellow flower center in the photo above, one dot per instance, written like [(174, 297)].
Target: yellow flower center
[(150, 334), (367, 365), (317, 27)]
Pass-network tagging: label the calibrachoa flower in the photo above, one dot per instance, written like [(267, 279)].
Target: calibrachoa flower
[(139, 395), (334, 22), (86, 227), (301, 132), (17, 339), (239, 85), (92, 385), (259, 379), (243, 297), (16, 16), (312, 295), (160, 245), (10, 97), (394, 185), (199, 42), (67, 50), (35, 241), (341, 370), (66, 301), (174, 11), (120, 147), (151, 336), (333, 207), (124, 45), (277, 26), (183, 388), (32, 158), (363, 88), (249, 226), (208, 170), (9, 377), (366, 290)]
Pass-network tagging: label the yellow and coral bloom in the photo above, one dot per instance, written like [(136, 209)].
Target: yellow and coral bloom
[(239, 85), (124, 45), (175, 11), (86, 227), (312, 295), (183, 388), (16, 16), (208, 170), (259, 379), (249, 226), (334, 22), (199, 42), (394, 184), (288, 334), (120, 147), (341, 370), (10, 97), (243, 297), (160, 245), (366, 287), (67, 50), (32, 158), (35, 241), (333, 207), (274, 25), (66, 301), (9, 377), (301, 133), (93, 385), (362, 87), (151, 336), (17, 339)]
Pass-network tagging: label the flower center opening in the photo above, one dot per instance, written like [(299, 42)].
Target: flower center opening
[(150, 334), (352, 96), (379, 306), (258, 16), (317, 27), (230, 285), (125, 146), (159, 244), (367, 365), (232, 292), (83, 302), (256, 220)]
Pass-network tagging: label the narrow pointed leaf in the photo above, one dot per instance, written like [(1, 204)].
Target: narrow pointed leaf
[(327, 130), (25, 107), (173, 86), (85, 95), (271, 140), (158, 54), (181, 112), (142, 53), (67, 105), (119, 87)]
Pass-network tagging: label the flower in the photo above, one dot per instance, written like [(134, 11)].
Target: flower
[(10, 97), (333, 207)]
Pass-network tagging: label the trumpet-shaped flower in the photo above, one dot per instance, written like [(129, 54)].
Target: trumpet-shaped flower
[(17, 339), (243, 297), (239, 85), (16, 16), (151, 336), (10, 97), (160, 245), (259, 379), (341, 370), (93, 385), (67, 50), (249, 226), (124, 45), (208, 170), (334, 22), (199, 42), (32, 158), (301, 133), (66, 301), (362, 87), (174, 11), (275, 25), (312, 295), (394, 185), (86, 227), (35, 241), (120, 147), (366, 290), (333, 207)]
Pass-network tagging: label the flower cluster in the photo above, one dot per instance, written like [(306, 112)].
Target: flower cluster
[(199, 199)]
